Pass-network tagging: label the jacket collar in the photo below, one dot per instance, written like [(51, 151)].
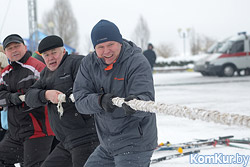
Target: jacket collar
[(23, 59), (63, 59)]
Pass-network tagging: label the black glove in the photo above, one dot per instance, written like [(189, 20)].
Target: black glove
[(105, 101), (14, 98), (128, 110)]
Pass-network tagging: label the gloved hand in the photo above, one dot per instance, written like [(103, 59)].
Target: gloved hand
[(128, 110), (105, 101), (14, 98)]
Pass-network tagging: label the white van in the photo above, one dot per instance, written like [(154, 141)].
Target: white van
[(232, 57), (200, 65)]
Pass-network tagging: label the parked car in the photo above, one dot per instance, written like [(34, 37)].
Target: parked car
[(232, 57)]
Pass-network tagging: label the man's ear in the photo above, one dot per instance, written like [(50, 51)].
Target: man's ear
[(25, 47)]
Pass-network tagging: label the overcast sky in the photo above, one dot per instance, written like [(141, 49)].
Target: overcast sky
[(214, 18)]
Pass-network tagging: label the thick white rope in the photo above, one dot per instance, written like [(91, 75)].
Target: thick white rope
[(183, 111), (22, 98), (62, 99), (71, 96)]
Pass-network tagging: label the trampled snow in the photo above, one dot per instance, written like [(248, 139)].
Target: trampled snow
[(226, 95)]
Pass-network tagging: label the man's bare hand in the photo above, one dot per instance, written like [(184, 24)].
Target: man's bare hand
[(52, 95)]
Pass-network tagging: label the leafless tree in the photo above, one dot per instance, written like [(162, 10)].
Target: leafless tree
[(141, 33), (207, 42), (199, 43), (195, 43), (166, 50), (60, 20), (88, 47)]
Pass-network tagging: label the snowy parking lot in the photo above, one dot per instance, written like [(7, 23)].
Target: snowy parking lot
[(226, 95)]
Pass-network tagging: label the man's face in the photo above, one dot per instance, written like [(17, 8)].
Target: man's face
[(150, 47), (109, 51), (53, 57), (15, 51)]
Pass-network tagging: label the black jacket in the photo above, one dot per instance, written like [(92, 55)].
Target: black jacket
[(72, 128), (23, 122), (151, 56)]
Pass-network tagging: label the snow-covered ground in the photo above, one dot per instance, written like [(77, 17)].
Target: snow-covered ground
[(226, 95), (229, 95)]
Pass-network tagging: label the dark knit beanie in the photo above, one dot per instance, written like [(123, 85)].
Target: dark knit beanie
[(50, 42), (105, 31)]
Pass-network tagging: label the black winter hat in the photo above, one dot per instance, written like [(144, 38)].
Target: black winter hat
[(50, 42), (105, 31), (150, 45), (12, 38)]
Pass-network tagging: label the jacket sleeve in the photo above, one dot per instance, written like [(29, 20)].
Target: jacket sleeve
[(86, 99), (140, 79), (35, 97), (4, 94)]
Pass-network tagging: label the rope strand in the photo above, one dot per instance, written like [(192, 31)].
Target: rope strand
[(185, 112), (61, 99)]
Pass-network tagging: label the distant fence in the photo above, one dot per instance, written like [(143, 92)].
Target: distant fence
[(172, 69), (174, 63)]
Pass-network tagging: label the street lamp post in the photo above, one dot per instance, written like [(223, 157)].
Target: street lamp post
[(184, 34), (51, 26)]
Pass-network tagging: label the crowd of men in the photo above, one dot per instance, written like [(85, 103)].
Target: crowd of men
[(59, 109)]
